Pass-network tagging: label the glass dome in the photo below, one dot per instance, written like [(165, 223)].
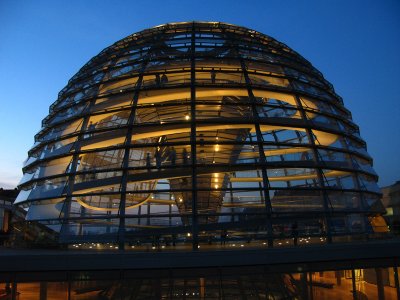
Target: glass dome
[(200, 134)]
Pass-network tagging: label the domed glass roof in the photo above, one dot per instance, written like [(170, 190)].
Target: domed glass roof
[(200, 134)]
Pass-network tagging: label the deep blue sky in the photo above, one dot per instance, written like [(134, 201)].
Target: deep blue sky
[(355, 44)]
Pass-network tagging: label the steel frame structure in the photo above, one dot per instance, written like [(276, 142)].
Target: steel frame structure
[(200, 133)]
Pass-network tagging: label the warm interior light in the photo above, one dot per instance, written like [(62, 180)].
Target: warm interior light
[(187, 117)]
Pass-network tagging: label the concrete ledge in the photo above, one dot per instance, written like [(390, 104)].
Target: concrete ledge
[(376, 253)]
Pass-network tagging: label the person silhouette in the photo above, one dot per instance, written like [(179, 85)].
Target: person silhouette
[(295, 233), (172, 156), (164, 79), (158, 158), (213, 75), (158, 80), (184, 156), (148, 161)]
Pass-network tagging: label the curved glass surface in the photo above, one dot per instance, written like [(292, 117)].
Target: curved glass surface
[(200, 134)]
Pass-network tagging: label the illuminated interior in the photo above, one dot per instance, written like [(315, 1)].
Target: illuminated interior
[(201, 134)]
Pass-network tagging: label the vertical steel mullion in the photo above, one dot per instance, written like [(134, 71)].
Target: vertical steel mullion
[(125, 161), (317, 161), (353, 283), (396, 280), (193, 137), (77, 146), (363, 207), (72, 170), (281, 156), (263, 159)]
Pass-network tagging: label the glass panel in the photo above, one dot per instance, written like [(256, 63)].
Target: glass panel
[(159, 156), (225, 107), (272, 133), (293, 177), (61, 130), (100, 160), (53, 167), (340, 179), (166, 79), (286, 153), (68, 113), (56, 148), (263, 68), (161, 114), (313, 90), (164, 62), (373, 202), (356, 146), (109, 120), (103, 139), (274, 108), (40, 211), (339, 200), (263, 80), (328, 139), (363, 164), (311, 105), (121, 71), (220, 77), (335, 159), (53, 187), (91, 180), (368, 183), (285, 200), (219, 153), (158, 96), (119, 100)]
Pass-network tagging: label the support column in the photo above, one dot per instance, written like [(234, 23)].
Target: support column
[(379, 284), (310, 284), (317, 166), (263, 159), (202, 288), (353, 281), (304, 287), (125, 161), (14, 292), (338, 276), (69, 288), (195, 234), (396, 281), (43, 290)]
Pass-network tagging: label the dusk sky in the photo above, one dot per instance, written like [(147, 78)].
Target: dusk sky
[(355, 44)]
